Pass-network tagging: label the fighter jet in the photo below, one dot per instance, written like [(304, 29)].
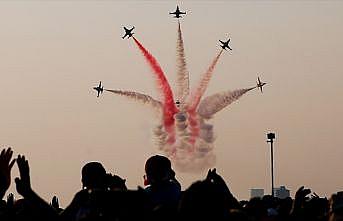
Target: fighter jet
[(128, 32), (225, 44), (177, 13), (260, 84), (99, 89)]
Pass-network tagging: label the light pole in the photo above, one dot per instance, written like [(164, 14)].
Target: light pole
[(271, 137)]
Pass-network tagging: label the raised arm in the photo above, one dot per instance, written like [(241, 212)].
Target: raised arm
[(23, 185), (6, 164)]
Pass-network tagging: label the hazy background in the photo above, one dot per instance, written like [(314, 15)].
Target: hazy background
[(53, 52)]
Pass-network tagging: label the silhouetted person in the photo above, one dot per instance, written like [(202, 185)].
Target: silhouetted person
[(163, 189), (209, 199), (105, 197), (93, 176), (92, 201), (84, 204)]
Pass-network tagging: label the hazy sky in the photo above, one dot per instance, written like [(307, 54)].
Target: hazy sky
[(53, 52)]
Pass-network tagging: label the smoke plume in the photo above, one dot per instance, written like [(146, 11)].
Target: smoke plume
[(214, 103), (143, 98), (169, 108), (184, 134), (182, 72)]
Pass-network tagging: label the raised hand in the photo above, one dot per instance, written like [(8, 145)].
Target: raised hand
[(54, 203), (301, 194), (6, 164), (300, 197), (23, 184), (217, 180), (213, 177)]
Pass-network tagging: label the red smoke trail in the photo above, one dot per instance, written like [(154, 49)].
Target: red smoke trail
[(169, 108)]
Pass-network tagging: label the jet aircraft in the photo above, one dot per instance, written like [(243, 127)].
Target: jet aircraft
[(128, 32), (260, 84), (225, 44), (177, 13), (99, 89)]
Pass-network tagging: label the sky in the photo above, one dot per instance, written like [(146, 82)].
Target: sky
[(53, 52)]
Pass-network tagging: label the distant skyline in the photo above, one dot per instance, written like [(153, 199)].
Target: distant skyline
[(54, 52)]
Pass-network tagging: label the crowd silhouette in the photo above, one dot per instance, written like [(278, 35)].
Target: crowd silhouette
[(105, 197)]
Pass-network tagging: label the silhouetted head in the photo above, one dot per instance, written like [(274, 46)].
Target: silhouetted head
[(93, 176), (158, 169)]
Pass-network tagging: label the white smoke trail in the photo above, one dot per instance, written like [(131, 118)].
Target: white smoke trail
[(195, 97), (160, 137), (214, 103), (143, 98), (182, 72)]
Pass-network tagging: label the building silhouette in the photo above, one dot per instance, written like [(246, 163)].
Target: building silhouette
[(256, 192), (281, 192)]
